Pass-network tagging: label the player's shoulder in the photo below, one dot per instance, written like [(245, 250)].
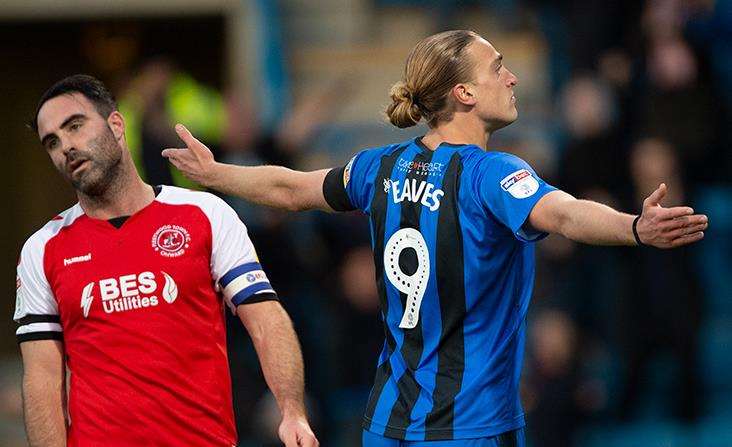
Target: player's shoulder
[(174, 195), (212, 206), (492, 163), (493, 169), (498, 157), (389, 149), (371, 154), (36, 243)]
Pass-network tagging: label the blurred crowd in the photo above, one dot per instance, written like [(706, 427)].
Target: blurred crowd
[(623, 339), (618, 335)]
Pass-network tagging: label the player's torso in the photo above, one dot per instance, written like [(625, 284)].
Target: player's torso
[(130, 278), (440, 257), (143, 326), (431, 234)]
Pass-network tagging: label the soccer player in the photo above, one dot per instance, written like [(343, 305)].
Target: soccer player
[(127, 289), (452, 226)]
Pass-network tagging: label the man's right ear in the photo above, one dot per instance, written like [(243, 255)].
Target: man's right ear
[(463, 94)]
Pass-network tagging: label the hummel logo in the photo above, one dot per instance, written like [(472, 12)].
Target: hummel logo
[(75, 259)]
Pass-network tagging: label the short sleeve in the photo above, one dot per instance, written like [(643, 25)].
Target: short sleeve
[(234, 262), (36, 310), (345, 188), (509, 188)]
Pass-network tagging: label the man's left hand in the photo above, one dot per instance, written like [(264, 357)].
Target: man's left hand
[(669, 227), (296, 432)]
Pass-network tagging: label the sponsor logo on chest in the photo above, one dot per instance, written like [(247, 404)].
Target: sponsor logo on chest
[(417, 191), (129, 292)]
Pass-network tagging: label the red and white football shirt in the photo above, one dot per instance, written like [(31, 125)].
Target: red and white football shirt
[(140, 312)]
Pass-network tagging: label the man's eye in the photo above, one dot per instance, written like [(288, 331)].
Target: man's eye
[(52, 144), (75, 126)]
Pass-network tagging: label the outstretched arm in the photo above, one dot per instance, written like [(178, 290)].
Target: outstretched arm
[(273, 186), (597, 224), (279, 355)]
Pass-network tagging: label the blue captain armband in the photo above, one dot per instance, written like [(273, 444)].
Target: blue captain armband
[(247, 284)]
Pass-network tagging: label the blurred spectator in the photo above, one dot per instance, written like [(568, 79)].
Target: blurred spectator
[(709, 27), (592, 163), (157, 98), (554, 395), (357, 313), (662, 309), (662, 19), (709, 30), (617, 68), (677, 102), (577, 32), (357, 340), (248, 142)]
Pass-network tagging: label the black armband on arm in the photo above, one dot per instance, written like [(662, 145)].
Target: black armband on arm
[(29, 333), (334, 191)]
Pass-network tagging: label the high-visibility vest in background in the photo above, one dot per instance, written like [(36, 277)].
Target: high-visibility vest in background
[(199, 107)]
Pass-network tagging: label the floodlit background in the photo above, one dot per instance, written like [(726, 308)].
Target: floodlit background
[(627, 347)]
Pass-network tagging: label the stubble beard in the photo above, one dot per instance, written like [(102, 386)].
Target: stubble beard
[(102, 175)]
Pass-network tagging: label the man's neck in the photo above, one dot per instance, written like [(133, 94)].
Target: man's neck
[(125, 200), (461, 129)]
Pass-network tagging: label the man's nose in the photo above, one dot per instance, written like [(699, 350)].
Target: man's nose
[(67, 146), (70, 152)]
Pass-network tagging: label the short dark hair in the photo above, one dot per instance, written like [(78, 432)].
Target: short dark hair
[(92, 88)]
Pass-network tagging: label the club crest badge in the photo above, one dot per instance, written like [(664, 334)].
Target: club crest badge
[(347, 172), (171, 241)]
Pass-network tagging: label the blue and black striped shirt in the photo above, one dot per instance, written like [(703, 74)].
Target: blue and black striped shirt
[(454, 271)]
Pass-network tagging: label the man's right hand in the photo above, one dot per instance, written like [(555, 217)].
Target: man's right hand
[(195, 161), (274, 186)]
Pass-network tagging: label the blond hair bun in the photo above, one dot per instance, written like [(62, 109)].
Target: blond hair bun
[(403, 111)]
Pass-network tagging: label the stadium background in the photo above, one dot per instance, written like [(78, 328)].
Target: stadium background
[(627, 347)]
